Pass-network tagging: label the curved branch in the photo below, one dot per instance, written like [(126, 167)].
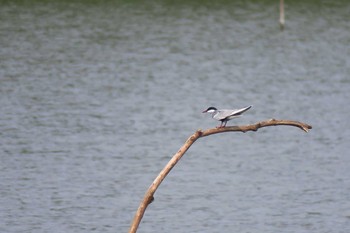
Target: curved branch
[(256, 126), (148, 198)]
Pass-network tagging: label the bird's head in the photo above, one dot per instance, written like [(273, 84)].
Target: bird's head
[(210, 110)]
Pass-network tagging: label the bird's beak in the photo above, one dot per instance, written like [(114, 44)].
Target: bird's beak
[(204, 111)]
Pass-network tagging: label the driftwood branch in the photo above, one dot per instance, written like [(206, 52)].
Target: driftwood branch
[(148, 198)]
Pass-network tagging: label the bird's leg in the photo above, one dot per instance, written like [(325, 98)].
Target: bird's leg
[(225, 124), (220, 126)]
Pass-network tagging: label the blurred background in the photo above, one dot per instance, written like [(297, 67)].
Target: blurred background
[(96, 97)]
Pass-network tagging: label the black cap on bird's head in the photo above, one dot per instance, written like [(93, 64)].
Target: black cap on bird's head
[(210, 109)]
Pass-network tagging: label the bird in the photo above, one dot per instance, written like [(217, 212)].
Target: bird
[(224, 115)]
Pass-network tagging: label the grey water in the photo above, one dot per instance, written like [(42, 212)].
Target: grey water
[(96, 97)]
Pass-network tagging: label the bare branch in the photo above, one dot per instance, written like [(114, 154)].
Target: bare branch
[(256, 126), (148, 198)]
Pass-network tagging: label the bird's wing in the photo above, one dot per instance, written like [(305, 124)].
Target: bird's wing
[(224, 113), (228, 113), (237, 112)]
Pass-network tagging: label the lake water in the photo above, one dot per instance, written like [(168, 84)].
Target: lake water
[(96, 97)]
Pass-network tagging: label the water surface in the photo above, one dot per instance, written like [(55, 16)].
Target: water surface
[(96, 98)]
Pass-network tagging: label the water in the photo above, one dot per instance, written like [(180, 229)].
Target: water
[(96, 98)]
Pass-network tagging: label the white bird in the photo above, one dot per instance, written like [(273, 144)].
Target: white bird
[(224, 115)]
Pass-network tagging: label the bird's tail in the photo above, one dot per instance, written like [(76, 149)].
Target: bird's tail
[(240, 111)]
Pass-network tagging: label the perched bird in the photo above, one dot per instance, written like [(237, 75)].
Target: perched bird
[(224, 115)]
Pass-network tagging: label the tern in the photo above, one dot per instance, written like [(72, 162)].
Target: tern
[(224, 115)]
